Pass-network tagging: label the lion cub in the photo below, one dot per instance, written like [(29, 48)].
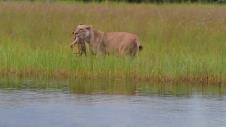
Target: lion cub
[(79, 45)]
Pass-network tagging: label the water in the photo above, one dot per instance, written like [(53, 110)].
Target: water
[(125, 106)]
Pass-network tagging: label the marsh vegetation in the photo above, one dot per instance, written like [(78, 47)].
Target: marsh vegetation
[(182, 43)]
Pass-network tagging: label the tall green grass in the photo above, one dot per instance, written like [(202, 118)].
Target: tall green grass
[(181, 42)]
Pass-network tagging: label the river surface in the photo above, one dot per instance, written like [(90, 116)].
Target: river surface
[(133, 107)]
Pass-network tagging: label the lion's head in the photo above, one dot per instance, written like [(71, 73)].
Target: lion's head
[(82, 32)]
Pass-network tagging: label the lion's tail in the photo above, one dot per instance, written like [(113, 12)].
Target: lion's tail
[(140, 47)]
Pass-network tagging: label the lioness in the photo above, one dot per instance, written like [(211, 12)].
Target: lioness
[(80, 45), (122, 43)]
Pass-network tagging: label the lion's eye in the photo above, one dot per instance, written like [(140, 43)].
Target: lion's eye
[(81, 30)]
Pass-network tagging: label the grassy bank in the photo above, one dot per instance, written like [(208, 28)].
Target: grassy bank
[(182, 43)]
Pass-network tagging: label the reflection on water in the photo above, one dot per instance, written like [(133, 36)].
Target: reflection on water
[(107, 104), (117, 87)]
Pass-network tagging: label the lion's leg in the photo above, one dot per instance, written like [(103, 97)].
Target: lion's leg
[(84, 50), (80, 49), (92, 52)]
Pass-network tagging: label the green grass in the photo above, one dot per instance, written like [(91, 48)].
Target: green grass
[(182, 43)]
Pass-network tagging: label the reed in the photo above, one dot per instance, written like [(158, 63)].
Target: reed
[(182, 43)]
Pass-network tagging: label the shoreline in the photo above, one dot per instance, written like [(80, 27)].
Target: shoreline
[(116, 76)]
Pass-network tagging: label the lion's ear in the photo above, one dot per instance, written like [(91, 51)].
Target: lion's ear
[(89, 27)]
